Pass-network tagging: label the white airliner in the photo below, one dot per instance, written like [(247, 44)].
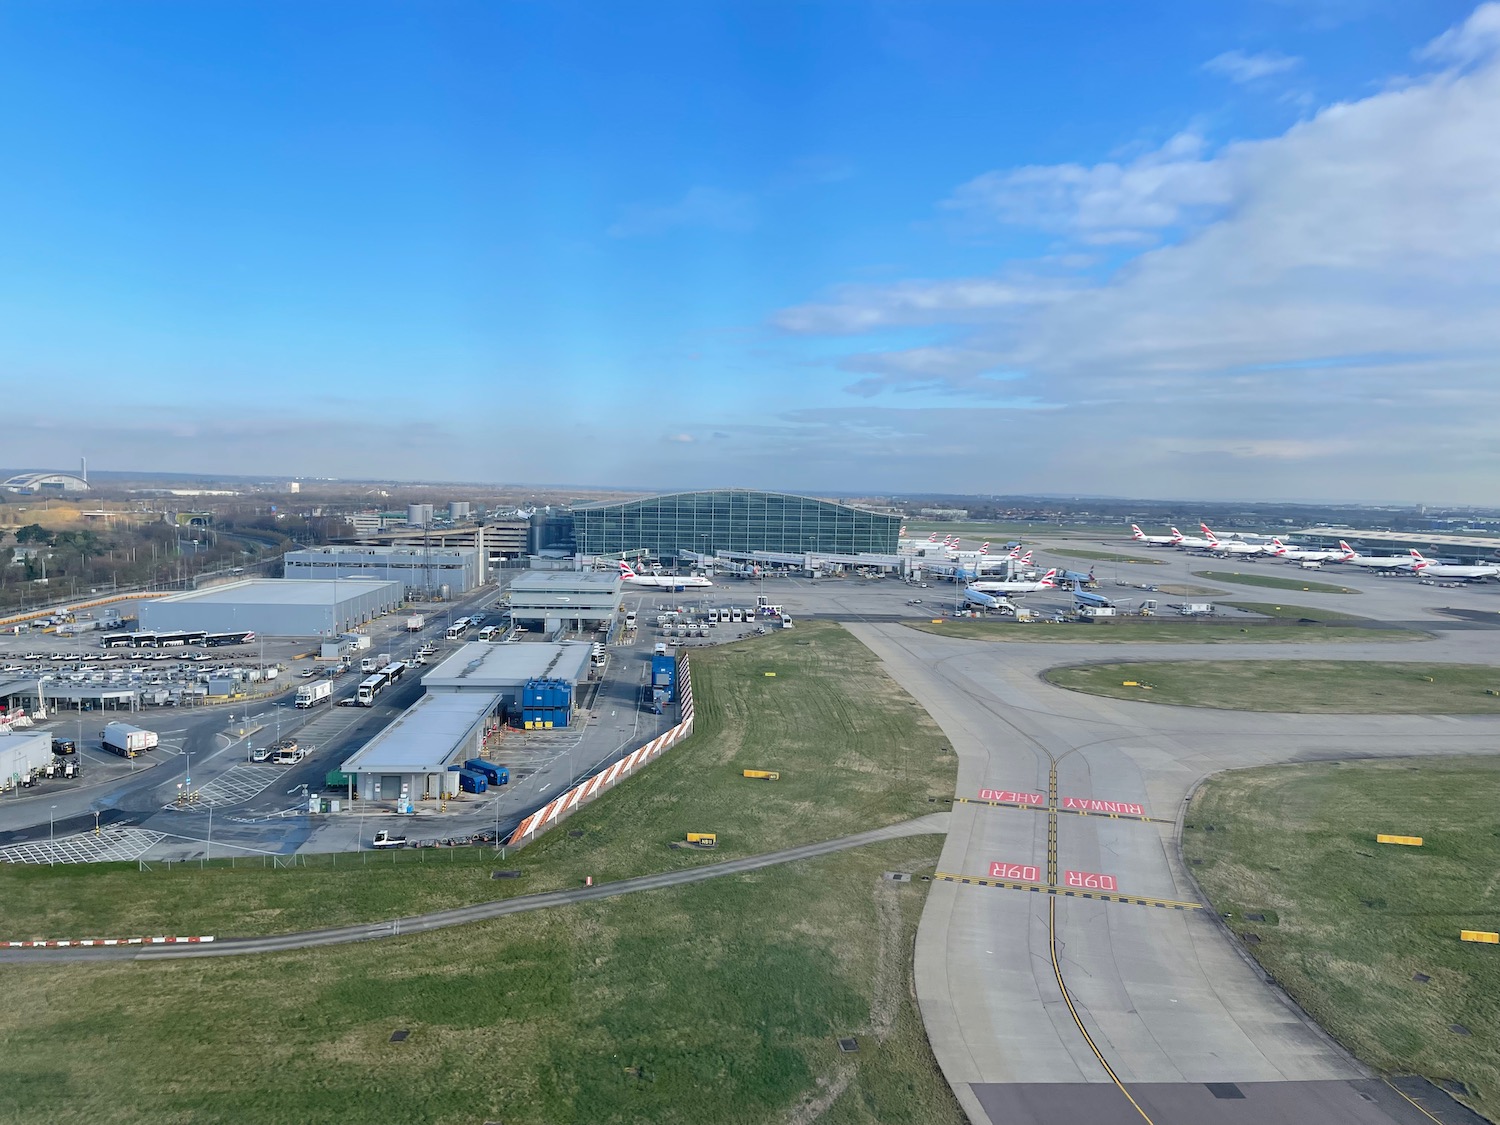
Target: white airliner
[(661, 581), (1375, 562), (1229, 546), (1427, 569), (1153, 540), (1300, 555), (1045, 582), (1190, 542)]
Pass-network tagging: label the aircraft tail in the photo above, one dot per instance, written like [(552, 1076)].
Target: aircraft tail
[(1048, 581), (1208, 533), (1176, 535), (1349, 551), (625, 570), (984, 548), (1417, 561), (1136, 532)]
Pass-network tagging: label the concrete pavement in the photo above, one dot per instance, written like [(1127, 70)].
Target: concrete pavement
[(1021, 989)]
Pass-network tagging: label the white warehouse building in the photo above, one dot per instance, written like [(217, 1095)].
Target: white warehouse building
[(465, 695), (423, 569), (275, 607)]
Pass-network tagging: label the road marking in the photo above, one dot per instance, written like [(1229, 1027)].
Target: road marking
[(1069, 812), (85, 847), (1066, 892), (1420, 1108), (1068, 1000)]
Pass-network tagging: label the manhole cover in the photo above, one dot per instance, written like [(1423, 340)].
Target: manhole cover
[(1255, 917), (399, 1036), (850, 1044), (1459, 1029), (897, 876), (1224, 1090), (1195, 862), (1251, 939), (505, 874), (576, 833), (1420, 978)]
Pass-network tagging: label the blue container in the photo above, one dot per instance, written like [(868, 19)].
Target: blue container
[(471, 781), (495, 775)]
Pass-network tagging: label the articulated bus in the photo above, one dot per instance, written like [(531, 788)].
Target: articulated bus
[(115, 640), (393, 671)]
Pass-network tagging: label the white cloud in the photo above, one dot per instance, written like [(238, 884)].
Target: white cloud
[(705, 208), (1327, 297), (1106, 203), (1475, 39), (1239, 67), (680, 439)]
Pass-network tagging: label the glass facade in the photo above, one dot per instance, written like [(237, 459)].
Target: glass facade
[(732, 520)]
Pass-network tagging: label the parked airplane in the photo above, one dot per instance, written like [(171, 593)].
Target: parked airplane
[(1229, 546), (1016, 586), (661, 581), (1154, 540), (1190, 542), (1303, 555), (1082, 597), (1445, 570), (1375, 562)]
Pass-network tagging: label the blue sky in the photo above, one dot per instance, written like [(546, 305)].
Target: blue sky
[(1220, 250)]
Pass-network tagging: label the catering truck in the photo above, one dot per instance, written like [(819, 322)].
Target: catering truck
[(310, 695), (416, 623), (126, 740)]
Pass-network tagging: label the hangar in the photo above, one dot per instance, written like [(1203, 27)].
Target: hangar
[(32, 483), (275, 607), (428, 570)]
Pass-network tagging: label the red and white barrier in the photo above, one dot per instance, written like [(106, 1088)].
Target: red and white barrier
[(559, 807), (67, 943)]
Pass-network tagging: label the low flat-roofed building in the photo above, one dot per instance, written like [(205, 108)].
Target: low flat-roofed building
[(21, 752), (501, 669), (411, 756), (275, 607), (421, 569), (574, 599)]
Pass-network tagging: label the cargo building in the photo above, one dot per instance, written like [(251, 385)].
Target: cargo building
[(571, 599), (275, 607), (425, 571)]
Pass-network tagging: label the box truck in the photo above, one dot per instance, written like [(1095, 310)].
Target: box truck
[(310, 695), (416, 623), (126, 740)]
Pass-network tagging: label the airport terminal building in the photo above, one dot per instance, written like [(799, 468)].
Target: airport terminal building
[(732, 520)]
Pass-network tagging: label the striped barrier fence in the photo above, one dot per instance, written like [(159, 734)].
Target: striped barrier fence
[(67, 943), (569, 802)]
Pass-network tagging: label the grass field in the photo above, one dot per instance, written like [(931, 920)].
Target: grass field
[(1102, 556), (1349, 923), (719, 1002), (1272, 581), (1331, 687), (1294, 612), (854, 752), (1183, 590), (1173, 630)]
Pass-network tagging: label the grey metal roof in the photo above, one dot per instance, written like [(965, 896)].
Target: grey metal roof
[(482, 666), (426, 737), (564, 581), (285, 591)]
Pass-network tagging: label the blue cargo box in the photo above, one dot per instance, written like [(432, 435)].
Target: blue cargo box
[(496, 775), (471, 781)]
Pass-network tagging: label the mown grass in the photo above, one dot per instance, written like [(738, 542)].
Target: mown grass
[(1102, 556), (1349, 922), (853, 749), (1333, 687), (1271, 581), (1164, 630), (1294, 612), (716, 1002)]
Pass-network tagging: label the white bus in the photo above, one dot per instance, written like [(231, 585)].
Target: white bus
[(458, 629), (786, 620), (369, 689), (488, 632)]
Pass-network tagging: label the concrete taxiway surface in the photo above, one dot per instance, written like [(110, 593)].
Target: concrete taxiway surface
[(1055, 1007)]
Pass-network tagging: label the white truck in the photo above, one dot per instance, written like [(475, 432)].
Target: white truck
[(416, 623), (126, 740), (310, 695)]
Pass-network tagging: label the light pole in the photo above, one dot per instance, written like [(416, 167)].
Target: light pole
[(96, 822), (51, 839), (209, 850)]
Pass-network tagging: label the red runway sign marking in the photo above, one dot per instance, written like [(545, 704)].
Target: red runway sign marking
[(1023, 872), (1088, 804), (1012, 798), (1090, 880)]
